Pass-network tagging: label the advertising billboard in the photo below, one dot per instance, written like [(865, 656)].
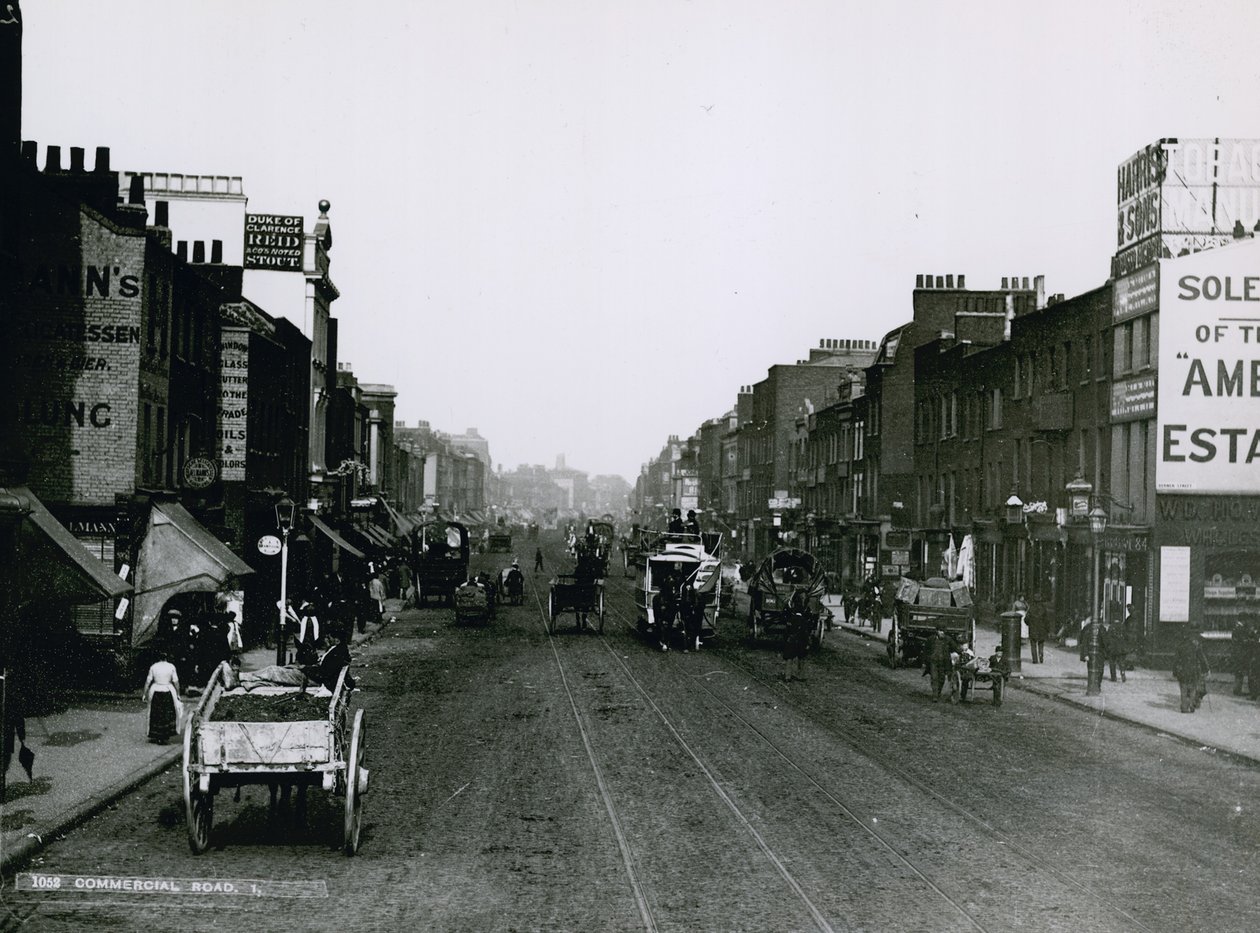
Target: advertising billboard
[(274, 241), (233, 403), (1209, 372)]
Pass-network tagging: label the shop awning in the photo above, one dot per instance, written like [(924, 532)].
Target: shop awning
[(177, 555), (54, 564), (379, 535), (332, 535), (404, 525)]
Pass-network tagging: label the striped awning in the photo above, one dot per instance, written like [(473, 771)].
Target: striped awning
[(403, 525), (379, 535)]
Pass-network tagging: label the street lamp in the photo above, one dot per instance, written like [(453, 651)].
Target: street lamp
[(1097, 525), (284, 521)]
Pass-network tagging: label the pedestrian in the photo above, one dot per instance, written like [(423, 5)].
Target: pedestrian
[(941, 650), (1241, 646), (691, 608), (796, 636), (999, 673), (538, 559), (1190, 667), (14, 726), (1040, 628), (872, 605), (1020, 604), (408, 593), (376, 591), (850, 602), (1114, 649), (161, 697), (235, 641)]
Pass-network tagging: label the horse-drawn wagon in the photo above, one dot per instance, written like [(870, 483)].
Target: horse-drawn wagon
[(440, 555), (671, 569), (284, 736), (923, 608)]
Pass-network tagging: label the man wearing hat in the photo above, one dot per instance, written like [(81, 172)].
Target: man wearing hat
[(675, 526), (693, 524)]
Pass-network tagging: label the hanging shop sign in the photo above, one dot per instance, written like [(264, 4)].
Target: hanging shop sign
[(269, 545), (199, 472)]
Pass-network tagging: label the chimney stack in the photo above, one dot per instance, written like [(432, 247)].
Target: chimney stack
[(161, 213), (76, 158), (181, 250), (199, 251), (216, 251), (102, 159), (135, 191), (52, 159)]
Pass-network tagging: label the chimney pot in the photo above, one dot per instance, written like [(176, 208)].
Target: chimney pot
[(199, 251), (1004, 281), (1025, 283), (961, 279), (102, 159), (30, 150), (162, 213), (181, 250), (949, 281), (135, 192), (918, 281), (216, 251), (52, 160), (940, 281), (76, 158)]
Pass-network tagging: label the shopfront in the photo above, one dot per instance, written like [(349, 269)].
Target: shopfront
[(1126, 572)]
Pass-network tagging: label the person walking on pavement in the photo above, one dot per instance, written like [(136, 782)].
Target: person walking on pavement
[(1241, 646), (14, 726), (161, 697), (796, 636), (1039, 629), (1190, 667), (376, 590), (1114, 649), (538, 559)]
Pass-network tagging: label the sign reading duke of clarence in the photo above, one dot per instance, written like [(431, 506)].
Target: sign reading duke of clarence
[(233, 404), (1209, 372), (273, 241)]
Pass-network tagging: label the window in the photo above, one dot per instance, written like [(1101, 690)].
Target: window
[(1029, 368), (1067, 365), (1054, 368), (995, 410), (1015, 392), (1087, 359), (1141, 343)]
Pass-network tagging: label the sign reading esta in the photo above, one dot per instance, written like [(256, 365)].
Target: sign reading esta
[(1208, 412)]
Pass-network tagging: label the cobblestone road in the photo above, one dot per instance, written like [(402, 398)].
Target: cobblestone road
[(578, 782)]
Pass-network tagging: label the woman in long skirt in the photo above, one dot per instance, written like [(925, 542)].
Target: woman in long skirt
[(161, 692)]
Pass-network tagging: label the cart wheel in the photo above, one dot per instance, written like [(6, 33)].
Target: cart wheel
[(997, 689), (198, 807), (551, 611), (964, 688), (758, 626), (356, 785), (600, 623)]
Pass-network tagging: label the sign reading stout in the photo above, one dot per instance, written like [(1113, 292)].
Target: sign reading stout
[(269, 545), (273, 241), (199, 472)]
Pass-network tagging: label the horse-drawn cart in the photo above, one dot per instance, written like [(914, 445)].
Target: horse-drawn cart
[(921, 609), (282, 736), (583, 596), (472, 604)]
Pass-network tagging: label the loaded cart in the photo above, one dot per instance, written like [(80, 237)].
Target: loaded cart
[(281, 736), (921, 609)]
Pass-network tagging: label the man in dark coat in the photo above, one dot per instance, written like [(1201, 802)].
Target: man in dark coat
[(940, 663), (675, 526), (1114, 648), (1190, 667)]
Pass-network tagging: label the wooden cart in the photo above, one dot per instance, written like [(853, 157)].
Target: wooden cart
[(328, 751), (583, 597), (921, 609)]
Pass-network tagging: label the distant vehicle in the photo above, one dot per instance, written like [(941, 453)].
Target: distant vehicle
[(690, 561), (499, 539), (605, 534), (440, 553)]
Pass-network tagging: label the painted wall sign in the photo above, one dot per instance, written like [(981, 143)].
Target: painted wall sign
[(1136, 294), (233, 418), (1133, 398), (274, 241)]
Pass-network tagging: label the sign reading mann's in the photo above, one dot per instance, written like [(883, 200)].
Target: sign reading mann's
[(273, 241)]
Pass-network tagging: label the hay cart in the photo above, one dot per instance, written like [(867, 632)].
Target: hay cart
[(920, 609), (281, 736)]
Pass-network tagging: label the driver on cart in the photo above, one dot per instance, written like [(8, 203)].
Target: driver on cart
[(324, 672)]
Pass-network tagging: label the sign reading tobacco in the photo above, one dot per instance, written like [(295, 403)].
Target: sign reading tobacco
[(273, 241)]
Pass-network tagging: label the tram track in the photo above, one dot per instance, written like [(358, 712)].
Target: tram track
[(867, 750)]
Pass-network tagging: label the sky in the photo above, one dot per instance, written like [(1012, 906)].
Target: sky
[(581, 226)]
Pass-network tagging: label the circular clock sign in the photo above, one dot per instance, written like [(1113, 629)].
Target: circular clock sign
[(269, 545), (199, 472)]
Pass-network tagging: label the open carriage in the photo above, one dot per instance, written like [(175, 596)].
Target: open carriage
[(787, 574), (281, 736)]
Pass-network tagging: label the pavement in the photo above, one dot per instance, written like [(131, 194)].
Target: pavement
[(96, 750), (90, 754), (1224, 724)]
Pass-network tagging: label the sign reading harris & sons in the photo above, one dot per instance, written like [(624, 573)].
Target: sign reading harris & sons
[(273, 241)]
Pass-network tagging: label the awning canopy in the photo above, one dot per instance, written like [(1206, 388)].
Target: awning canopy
[(54, 564), (332, 535), (379, 535), (177, 555), (404, 525)]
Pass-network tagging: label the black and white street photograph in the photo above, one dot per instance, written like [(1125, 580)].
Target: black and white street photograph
[(737, 467)]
